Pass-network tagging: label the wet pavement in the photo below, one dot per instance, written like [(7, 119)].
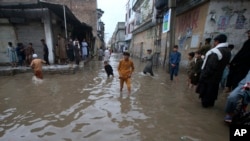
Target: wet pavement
[(87, 106)]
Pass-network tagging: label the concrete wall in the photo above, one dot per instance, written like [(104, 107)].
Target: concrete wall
[(7, 34), (120, 35), (143, 41), (231, 18), (208, 20), (190, 30), (163, 49), (31, 31), (120, 39)]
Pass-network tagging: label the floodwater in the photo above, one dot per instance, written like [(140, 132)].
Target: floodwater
[(87, 106)]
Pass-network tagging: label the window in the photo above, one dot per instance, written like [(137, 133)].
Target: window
[(129, 31), (129, 13)]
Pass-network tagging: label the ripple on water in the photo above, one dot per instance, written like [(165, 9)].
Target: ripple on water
[(98, 112), (7, 113)]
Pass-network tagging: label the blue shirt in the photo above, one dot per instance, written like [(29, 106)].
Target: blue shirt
[(175, 58)]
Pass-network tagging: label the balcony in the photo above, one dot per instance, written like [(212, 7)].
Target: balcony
[(137, 4)]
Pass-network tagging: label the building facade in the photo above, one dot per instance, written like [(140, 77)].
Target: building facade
[(208, 18), (144, 33), (195, 20), (100, 31), (129, 23), (29, 21), (85, 11), (118, 38)]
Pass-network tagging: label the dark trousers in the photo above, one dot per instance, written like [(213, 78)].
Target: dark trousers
[(173, 71), (20, 60), (46, 58)]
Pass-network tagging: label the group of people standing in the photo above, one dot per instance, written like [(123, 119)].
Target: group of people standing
[(214, 63), (64, 52), (238, 82), (71, 50), (20, 55), (213, 66), (104, 54)]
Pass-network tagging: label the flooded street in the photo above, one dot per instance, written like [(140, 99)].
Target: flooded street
[(87, 106)]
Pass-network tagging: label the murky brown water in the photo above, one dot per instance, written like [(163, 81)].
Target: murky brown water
[(89, 107)]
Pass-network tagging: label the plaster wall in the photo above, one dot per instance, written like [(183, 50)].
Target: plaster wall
[(231, 18), (143, 41)]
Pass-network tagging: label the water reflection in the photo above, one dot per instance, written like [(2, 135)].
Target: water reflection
[(125, 104)]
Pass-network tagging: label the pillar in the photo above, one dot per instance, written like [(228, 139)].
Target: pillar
[(48, 34)]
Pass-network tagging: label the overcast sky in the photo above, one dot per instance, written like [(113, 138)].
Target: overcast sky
[(114, 11)]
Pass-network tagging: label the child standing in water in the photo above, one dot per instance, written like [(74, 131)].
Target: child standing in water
[(108, 69), (125, 70), (174, 60), (36, 65), (196, 70), (190, 67)]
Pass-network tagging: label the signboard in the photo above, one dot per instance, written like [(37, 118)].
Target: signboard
[(195, 41), (166, 22)]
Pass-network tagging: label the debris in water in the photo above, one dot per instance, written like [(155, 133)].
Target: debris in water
[(188, 138)]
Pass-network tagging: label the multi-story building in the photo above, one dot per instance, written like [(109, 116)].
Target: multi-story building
[(100, 30), (118, 38), (144, 28), (129, 23)]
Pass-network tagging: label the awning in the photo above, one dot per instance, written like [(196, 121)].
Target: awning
[(55, 8)]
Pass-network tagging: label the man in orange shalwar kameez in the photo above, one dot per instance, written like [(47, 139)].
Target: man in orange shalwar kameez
[(125, 70)]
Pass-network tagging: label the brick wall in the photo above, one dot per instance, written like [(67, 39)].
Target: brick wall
[(84, 10)]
